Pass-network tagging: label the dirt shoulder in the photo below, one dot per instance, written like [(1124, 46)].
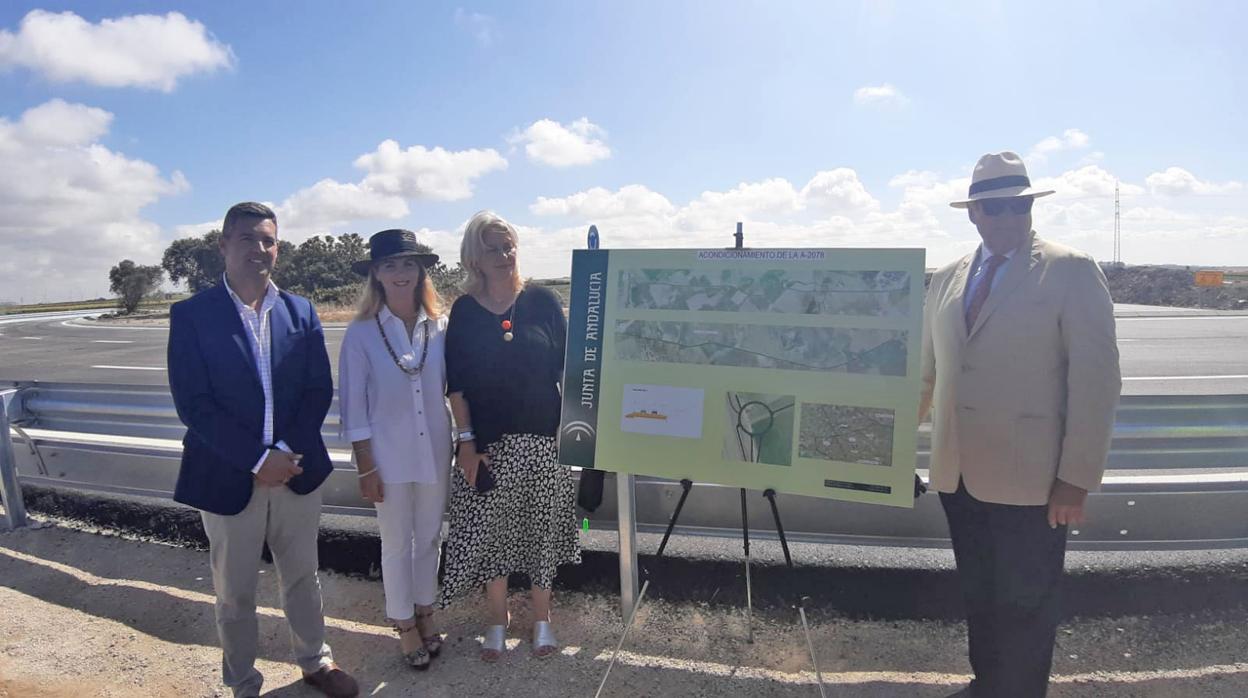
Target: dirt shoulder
[(87, 614)]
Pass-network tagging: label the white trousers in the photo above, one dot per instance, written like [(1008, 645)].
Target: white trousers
[(410, 519)]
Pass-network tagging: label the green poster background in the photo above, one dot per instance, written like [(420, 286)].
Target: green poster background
[(785, 366)]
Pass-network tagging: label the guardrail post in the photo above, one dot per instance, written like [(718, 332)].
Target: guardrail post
[(10, 490), (626, 518)]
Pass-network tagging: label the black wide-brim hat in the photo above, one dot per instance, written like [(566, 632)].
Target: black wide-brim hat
[(394, 243)]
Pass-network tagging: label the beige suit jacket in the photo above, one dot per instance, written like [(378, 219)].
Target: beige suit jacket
[(1028, 394)]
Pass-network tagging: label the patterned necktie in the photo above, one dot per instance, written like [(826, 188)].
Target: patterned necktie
[(993, 263)]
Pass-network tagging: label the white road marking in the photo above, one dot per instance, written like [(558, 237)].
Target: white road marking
[(1185, 378), (1176, 479), (1184, 317), (34, 338), (158, 328), (76, 324), (39, 317), (112, 341), (131, 368)]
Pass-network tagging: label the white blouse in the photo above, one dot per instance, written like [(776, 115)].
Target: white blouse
[(406, 418)]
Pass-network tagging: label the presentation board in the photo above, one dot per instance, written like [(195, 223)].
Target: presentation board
[(791, 369)]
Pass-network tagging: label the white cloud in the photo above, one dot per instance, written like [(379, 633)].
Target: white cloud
[(196, 229), (1206, 230), (58, 123), (776, 213), (839, 191), (913, 178), (773, 210), (1071, 139), (598, 203), (1176, 181), (482, 27), (880, 96), (69, 207), (147, 51), (422, 173), (1092, 158), (551, 143), (394, 176), (747, 201), (1089, 181), (328, 204), (933, 191)]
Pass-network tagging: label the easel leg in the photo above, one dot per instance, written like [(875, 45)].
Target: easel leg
[(749, 591), (685, 486), (801, 600)]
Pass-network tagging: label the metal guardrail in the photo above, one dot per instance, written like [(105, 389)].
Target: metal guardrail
[(1177, 475), (10, 490)]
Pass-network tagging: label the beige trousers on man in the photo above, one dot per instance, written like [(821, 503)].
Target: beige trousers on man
[(289, 522)]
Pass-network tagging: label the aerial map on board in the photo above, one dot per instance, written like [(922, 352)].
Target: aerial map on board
[(789, 369)]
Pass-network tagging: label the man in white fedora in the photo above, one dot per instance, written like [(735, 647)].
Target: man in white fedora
[(1020, 371)]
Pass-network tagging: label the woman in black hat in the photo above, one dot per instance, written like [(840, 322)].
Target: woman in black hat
[(392, 387)]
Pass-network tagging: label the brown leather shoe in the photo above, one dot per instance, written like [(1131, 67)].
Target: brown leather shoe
[(333, 682)]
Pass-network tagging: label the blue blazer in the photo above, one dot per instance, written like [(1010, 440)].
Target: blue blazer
[(218, 395)]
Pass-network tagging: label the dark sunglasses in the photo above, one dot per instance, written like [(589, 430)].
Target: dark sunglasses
[(996, 207)]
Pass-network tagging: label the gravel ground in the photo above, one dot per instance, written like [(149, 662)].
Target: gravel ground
[(90, 614)]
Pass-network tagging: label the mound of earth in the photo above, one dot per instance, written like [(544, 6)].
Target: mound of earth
[(1171, 286)]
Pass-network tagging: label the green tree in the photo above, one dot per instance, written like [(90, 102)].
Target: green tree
[(320, 268), (449, 281), (197, 260), (133, 282)]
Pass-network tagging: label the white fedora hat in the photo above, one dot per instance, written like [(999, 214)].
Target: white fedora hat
[(999, 176)]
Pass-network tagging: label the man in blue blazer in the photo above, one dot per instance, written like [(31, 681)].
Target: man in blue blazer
[(250, 379)]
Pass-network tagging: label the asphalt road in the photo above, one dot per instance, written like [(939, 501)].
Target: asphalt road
[(1164, 350)]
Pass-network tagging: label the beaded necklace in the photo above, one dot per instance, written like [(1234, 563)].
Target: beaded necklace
[(424, 347)]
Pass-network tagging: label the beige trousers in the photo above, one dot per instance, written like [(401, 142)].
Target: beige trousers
[(289, 522)]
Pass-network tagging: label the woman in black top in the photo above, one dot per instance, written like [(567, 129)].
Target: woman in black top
[(511, 502)]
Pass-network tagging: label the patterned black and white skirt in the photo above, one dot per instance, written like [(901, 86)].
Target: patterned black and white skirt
[(526, 524)]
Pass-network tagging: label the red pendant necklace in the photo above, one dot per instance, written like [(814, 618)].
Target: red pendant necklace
[(508, 319), (507, 323)]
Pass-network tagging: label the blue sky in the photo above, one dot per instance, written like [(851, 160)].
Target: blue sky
[(818, 124)]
